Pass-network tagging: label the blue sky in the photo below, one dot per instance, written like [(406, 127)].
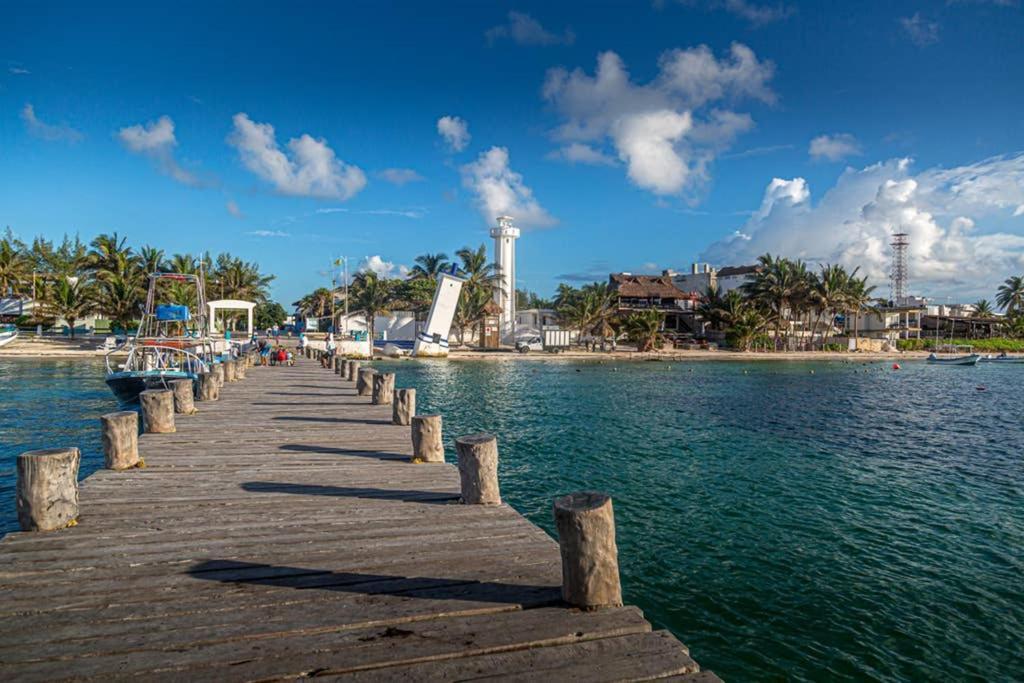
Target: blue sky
[(711, 130)]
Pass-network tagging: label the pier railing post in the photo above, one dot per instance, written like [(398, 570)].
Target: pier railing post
[(364, 382), (183, 396), (590, 560), (478, 469), (427, 445), (47, 490), (218, 375), (209, 390), (352, 370), (342, 368), (403, 407), (120, 439), (157, 411), (383, 388)]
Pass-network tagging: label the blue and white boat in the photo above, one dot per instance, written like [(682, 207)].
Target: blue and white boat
[(955, 355), (172, 342), (8, 333), (1003, 358)]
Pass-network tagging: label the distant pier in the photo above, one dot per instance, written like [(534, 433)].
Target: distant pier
[(281, 532)]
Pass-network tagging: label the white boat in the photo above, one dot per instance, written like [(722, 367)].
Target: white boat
[(1003, 358), (955, 355), (8, 333)]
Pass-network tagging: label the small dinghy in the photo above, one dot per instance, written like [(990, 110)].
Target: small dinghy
[(8, 333), (1003, 358), (956, 355)]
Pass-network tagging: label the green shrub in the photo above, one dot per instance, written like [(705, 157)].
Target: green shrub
[(996, 344), (833, 346)]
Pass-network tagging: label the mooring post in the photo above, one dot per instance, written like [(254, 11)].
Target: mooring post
[(478, 469), (229, 370), (183, 396), (157, 411), (339, 363), (352, 370), (364, 382), (120, 439), (383, 388), (342, 368), (209, 390), (47, 490), (218, 375), (590, 558), (426, 438), (404, 406), (239, 368)]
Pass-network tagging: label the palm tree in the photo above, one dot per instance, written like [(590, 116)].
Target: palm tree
[(983, 309), (858, 299), (315, 304), (371, 295), (644, 328), (481, 281), (71, 299), (15, 268), (830, 290), (109, 255), (778, 285), (152, 260), (428, 266), (1010, 296), (118, 297)]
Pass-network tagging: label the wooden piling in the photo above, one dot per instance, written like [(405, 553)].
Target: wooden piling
[(157, 411), (427, 445), (218, 375), (120, 439), (47, 490), (352, 370), (239, 368), (590, 561), (209, 389), (342, 368), (229, 370), (364, 382), (183, 396), (383, 388), (478, 469), (403, 407)]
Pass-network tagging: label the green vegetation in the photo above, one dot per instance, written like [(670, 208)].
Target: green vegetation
[(993, 344), (71, 280)]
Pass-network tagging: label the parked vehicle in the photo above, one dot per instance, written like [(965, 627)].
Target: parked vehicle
[(551, 341)]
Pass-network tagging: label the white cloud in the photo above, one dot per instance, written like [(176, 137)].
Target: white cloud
[(233, 209), (834, 147), (523, 29), (404, 213), (919, 30), (579, 153), (269, 233), (852, 224), (384, 269), (48, 131), (309, 169), (455, 132), (667, 125), (18, 71), (756, 13), (399, 176), (156, 140), (500, 191)]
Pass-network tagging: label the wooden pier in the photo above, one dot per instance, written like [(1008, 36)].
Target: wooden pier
[(281, 532)]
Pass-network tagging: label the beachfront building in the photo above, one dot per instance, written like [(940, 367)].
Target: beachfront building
[(890, 323), (703, 276), (531, 321), (505, 236), (659, 293)]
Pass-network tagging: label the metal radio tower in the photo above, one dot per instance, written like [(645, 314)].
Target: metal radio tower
[(898, 275)]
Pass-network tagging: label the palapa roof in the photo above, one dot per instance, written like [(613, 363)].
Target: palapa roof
[(646, 286)]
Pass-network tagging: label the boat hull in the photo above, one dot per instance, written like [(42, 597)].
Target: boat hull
[(1010, 360), (971, 359), (7, 337), (128, 385)]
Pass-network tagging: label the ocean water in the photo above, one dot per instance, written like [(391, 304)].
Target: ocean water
[(800, 521)]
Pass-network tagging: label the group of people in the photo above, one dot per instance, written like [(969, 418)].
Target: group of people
[(274, 354)]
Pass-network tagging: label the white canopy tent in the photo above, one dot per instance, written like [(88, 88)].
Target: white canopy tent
[(230, 305)]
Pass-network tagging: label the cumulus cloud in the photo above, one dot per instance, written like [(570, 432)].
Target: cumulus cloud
[(834, 147), (156, 140), (48, 131), (753, 12), (919, 30), (579, 153), (455, 132), (500, 191), (309, 168), (942, 210), (17, 71), (523, 29), (269, 233), (669, 130), (399, 176), (385, 269)]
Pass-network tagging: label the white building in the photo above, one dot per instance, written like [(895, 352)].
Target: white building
[(505, 236), (531, 321), (703, 276)]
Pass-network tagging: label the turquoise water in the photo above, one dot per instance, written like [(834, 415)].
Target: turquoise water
[(851, 524)]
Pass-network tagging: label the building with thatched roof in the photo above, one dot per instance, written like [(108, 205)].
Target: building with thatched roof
[(656, 292)]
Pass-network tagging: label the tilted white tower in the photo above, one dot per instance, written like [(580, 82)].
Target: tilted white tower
[(505, 236)]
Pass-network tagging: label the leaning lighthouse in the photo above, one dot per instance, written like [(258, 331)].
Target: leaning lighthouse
[(505, 236)]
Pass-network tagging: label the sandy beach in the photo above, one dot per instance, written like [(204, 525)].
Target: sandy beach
[(26, 346)]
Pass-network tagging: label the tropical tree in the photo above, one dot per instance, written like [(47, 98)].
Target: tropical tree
[(15, 267), (71, 299), (119, 298), (315, 304), (983, 309), (481, 281), (372, 295), (859, 300), (643, 328), (830, 290), (1010, 295), (429, 266), (151, 260), (269, 314), (109, 255)]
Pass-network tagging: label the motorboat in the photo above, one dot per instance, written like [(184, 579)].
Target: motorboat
[(172, 341), (8, 333), (1003, 358), (954, 355)]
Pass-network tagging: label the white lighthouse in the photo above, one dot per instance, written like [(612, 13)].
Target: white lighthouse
[(505, 236)]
